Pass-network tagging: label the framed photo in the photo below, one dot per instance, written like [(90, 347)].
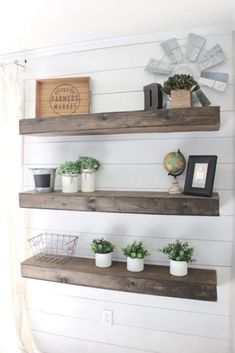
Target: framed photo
[(200, 175)]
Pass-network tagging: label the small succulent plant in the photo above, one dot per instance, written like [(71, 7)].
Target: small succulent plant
[(179, 251), (180, 81), (101, 246), (136, 250)]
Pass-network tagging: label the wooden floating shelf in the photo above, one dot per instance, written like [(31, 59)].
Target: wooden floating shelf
[(156, 280), (123, 202), (161, 120)]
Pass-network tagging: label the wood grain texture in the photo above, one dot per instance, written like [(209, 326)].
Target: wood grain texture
[(198, 284), (71, 94), (162, 120), (180, 98), (123, 202)]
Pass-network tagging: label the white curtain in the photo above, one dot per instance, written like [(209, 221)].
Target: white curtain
[(15, 336)]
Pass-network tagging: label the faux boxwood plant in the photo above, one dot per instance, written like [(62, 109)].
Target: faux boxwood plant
[(89, 163), (69, 167), (180, 81), (101, 246), (179, 251), (136, 250)]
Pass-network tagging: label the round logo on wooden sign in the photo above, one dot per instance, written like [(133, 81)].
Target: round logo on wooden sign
[(64, 99)]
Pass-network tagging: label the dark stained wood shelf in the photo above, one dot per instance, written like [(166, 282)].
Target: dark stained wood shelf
[(198, 284), (161, 120), (123, 202)]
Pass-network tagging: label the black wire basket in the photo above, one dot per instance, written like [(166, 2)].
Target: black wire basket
[(51, 247)]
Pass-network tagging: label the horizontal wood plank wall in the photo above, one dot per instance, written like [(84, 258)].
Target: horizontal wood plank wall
[(69, 318)]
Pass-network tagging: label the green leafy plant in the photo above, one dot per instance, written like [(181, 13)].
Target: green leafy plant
[(178, 251), (101, 246), (136, 250), (89, 163), (180, 81), (69, 167)]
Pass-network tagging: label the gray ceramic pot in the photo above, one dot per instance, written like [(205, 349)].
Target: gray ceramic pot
[(44, 179)]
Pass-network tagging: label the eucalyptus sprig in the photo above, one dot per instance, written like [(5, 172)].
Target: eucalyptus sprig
[(180, 81), (136, 250), (102, 246), (179, 251)]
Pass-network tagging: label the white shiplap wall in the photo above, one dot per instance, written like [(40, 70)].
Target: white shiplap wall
[(232, 296), (67, 318)]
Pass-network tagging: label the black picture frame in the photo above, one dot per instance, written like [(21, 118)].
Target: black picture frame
[(200, 175)]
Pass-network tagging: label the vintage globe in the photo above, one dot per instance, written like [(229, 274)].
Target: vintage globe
[(174, 163)]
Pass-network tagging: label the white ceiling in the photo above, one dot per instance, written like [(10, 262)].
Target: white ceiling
[(31, 24)]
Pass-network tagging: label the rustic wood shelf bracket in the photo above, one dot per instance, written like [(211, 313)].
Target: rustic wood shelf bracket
[(199, 284), (161, 120), (123, 202)]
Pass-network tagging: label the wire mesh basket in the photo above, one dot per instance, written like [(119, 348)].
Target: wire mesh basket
[(51, 247)]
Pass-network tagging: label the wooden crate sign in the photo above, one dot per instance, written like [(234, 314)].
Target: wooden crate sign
[(63, 96), (180, 98)]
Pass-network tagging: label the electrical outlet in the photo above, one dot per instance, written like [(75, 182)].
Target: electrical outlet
[(107, 317)]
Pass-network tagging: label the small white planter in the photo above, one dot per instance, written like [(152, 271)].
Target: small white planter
[(88, 180), (135, 265), (178, 268), (69, 183), (103, 260)]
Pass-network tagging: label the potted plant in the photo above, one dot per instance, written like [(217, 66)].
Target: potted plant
[(179, 87), (88, 167), (69, 172), (135, 253), (180, 254), (103, 252)]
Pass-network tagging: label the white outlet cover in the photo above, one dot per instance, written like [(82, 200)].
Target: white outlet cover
[(107, 317)]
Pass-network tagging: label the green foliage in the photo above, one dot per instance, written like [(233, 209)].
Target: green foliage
[(69, 167), (178, 251), (101, 246), (89, 163), (136, 250), (181, 81)]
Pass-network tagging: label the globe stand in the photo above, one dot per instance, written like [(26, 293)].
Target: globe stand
[(175, 188), (174, 163)]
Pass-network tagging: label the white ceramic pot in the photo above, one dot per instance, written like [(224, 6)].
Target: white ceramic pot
[(135, 265), (88, 180), (69, 183), (178, 268), (103, 260)]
